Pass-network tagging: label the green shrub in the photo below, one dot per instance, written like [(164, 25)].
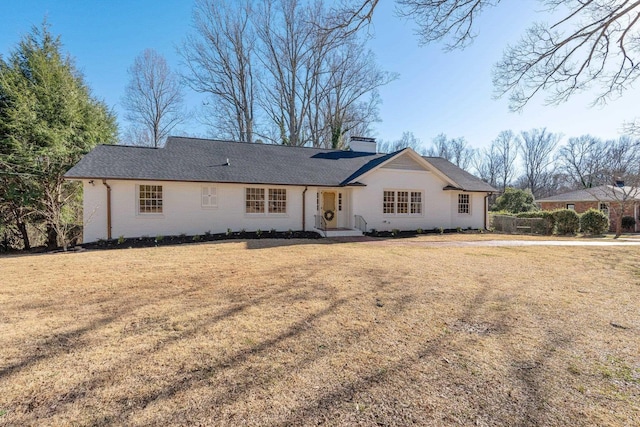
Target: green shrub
[(548, 225), (594, 222), (567, 221), (515, 200), (120, 240), (159, 238), (628, 222)]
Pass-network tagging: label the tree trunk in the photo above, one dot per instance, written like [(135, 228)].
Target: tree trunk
[(52, 237), (619, 220), (22, 228)]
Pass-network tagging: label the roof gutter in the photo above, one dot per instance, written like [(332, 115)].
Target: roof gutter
[(104, 182)]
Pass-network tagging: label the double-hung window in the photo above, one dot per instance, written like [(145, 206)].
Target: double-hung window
[(389, 202), (265, 201), (464, 204), (149, 199), (402, 202), (254, 200), (416, 203), (277, 200), (604, 208)]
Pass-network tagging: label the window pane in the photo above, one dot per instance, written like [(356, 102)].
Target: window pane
[(403, 202), (388, 202), (416, 202)]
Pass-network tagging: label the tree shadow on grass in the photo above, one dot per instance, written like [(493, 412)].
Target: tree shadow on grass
[(126, 407), (525, 375)]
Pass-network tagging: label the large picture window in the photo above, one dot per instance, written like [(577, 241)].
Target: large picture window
[(402, 202), (464, 205), (269, 201), (150, 199)]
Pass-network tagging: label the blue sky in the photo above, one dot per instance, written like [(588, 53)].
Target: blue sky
[(437, 92)]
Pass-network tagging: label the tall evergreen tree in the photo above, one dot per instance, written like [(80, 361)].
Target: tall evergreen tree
[(48, 121)]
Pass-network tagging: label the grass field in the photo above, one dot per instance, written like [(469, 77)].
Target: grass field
[(285, 333)]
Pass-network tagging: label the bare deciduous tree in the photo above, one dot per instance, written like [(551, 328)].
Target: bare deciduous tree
[(221, 59), (507, 149), (536, 147), (591, 42), (456, 150), (594, 42), (408, 140), (487, 165), (347, 99), (153, 98), (274, 71), (582, 160), (292, 53)]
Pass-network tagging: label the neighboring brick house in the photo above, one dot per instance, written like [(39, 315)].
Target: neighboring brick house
[(604, 198)]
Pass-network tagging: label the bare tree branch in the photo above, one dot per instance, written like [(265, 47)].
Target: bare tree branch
[(220, 57), (153, 98)]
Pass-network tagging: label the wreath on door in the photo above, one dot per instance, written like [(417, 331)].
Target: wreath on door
[(328, 215)]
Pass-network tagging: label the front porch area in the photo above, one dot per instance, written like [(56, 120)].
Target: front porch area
[(333, 214)]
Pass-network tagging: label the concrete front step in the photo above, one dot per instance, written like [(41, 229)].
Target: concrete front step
[(340, 233)]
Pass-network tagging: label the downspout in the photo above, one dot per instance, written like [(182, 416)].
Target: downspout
[(104, 182), (486, 210), (304, 210)]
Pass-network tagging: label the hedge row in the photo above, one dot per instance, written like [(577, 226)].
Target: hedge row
[(567, 221)]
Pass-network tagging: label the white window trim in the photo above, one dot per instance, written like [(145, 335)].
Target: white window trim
[(606, 210), (266, 212), (136, 201), (215, 193), (470, 207), (395, 203)]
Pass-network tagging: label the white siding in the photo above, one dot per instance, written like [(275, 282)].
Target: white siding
[(440, 208), (183, 211), (404, 162)]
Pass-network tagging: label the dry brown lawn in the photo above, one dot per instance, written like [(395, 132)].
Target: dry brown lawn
[(313, 332)]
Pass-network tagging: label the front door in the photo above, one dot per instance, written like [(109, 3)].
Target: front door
[(329, 209)]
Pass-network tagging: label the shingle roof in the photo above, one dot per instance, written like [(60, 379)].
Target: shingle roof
[(461, 177), (603, 193), (203, 160)]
